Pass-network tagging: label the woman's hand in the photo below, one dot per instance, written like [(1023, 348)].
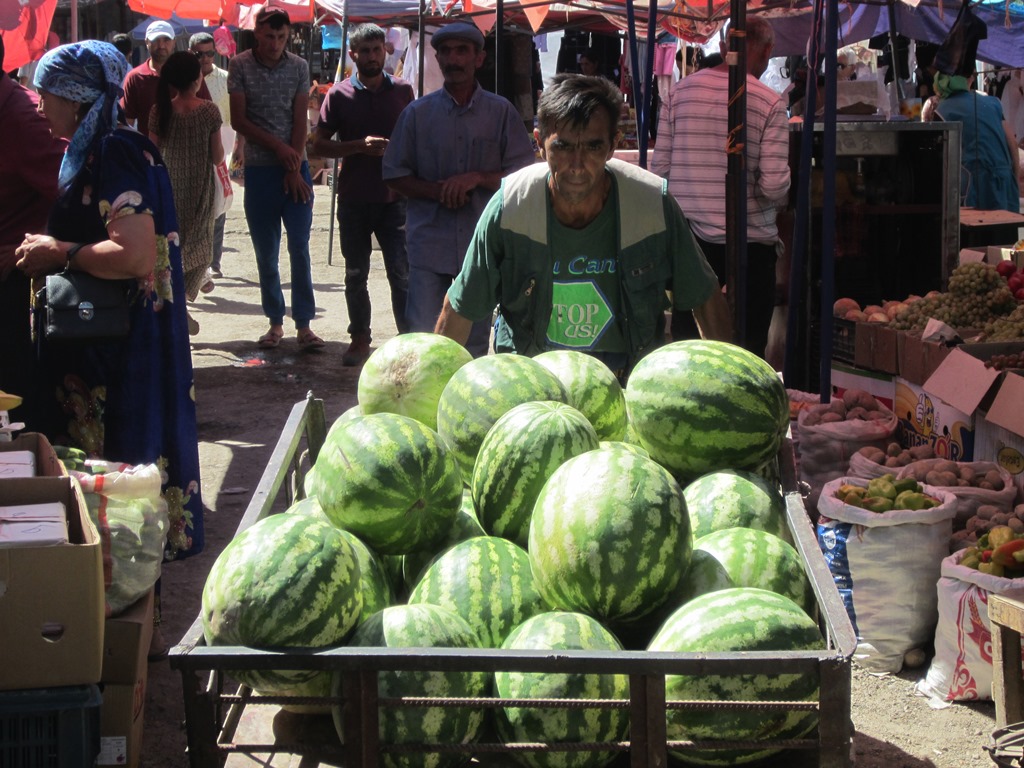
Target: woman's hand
[(40, 255)]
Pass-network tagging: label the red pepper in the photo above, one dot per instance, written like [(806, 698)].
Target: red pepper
[(1003, 554), (986, 556)]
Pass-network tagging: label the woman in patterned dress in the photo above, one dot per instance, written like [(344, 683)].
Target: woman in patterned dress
[(129, 400), (187, 131)]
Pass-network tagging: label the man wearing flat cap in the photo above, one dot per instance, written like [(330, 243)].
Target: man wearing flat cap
[(447, 155), (140, 83)]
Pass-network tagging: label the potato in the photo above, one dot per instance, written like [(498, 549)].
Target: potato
[(837, 406), (985, 511), (893, 449), (850, 397), (933, 477), (922, 452), (856, 413), (985, 484), (866, 401), (993, 478), (949, 479), (1000, 518), (878, 416), (872, 453), (967, 473), (812, 419), (892, 461), (972, 524), (831, 417), (1016, 524), (944, 465)]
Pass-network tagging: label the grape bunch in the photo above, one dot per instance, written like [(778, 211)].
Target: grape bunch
[(977, 296), (1008, 328), (1006, 362)]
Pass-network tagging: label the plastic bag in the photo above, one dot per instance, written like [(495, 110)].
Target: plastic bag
[(826, 449), (225, 194), (861, 466), (969, 498), (124, 502), (961, 669), (885, 566)]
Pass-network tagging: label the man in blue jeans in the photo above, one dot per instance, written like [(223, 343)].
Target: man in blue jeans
[(268, 89), (361, 112), (448, 154)]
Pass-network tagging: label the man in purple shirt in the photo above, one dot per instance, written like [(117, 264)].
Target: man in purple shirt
[(448, 154), (360, 113)]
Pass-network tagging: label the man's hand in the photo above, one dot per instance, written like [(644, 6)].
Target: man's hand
[(40, 255), (455, 190), (288, 157), (374, 146), (296, 187)]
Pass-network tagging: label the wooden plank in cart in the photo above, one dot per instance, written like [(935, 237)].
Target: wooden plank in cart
[(1006, 614)]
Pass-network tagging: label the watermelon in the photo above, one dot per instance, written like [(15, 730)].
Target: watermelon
[(744, 557), (735, 499), (481, 392), (561, 631), (733, 621), (407, 374), (621, 445), (518, 455), (592, 388), (466, 526), (609, 536), (389, 480), (699, 406), (485, 580), (421, 626), (375, 582), (308, 482), (287, 581)]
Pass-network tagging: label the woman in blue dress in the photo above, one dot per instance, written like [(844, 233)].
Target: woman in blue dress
[(988, 148), (129, 400)]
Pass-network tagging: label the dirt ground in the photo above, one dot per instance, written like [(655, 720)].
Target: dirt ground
[(244, 396)]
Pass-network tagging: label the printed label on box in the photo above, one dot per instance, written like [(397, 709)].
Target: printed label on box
[(113, 750), (927, 420)]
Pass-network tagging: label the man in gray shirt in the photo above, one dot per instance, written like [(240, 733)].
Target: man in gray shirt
[(448, 154), (268, 89)]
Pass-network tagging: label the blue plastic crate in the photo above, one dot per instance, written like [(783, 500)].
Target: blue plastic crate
[(50, 727)]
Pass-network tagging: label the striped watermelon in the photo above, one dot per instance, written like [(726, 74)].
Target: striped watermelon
[(422, 626), (609, 536), (592, 388), (407, 374), (699, 406), (481, 392), (732, 621), (744, 557), (308, 482), (286, 581), (466, 526), (485, 580), (518, 455), (735, 499), (374, 580), (389, 480), (621, 445), (560, 631)]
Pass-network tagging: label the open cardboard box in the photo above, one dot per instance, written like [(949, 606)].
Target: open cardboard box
[(1000, 430), (51, 597), (47, 463), (876, 348), (126, 642)]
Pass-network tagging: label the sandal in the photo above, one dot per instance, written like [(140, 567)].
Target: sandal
[(270, 339), (309, 340)]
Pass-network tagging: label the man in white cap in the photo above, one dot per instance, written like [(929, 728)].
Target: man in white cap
[(448, 153), (140, 83)]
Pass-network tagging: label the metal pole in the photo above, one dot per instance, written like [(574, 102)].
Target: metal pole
[(74, 21), (828, 203), (338, 75), (736, 172), (499, 28), (892, 50), (634, 62), (421, 45), (644, 123)]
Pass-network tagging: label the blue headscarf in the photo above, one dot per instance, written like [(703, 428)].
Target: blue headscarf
[(90, 72)]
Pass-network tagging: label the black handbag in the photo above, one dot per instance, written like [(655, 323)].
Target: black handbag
[(958, 51), (77, 306)]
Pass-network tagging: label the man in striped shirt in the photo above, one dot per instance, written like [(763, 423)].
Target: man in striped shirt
[(691, 154)]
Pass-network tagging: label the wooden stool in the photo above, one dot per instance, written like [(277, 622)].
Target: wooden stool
[(1006, 614)]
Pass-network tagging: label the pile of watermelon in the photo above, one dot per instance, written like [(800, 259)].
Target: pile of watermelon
[(517, 503)]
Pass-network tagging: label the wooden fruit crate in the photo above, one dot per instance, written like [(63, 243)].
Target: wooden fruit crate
[(215, 705)]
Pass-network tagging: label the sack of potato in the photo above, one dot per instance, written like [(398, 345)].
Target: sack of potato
[(974, 483), (984, 520), (871, 461), (831, 433), (885, 561)]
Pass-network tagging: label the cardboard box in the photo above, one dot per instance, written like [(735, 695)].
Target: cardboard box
[(876, 348), (51, 598), (880, 385), (924, 419), (918, 359), (47, 463), (963, 381), (1001, 430), (125, 673)]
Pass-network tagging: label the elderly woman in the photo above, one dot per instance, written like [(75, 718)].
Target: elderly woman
[(128, 400), (988, 148)]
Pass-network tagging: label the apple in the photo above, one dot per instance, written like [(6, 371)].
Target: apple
[(844, 305), (878, 317), (855, 315), (1006, 268), (1015, 282), (1019, 294)]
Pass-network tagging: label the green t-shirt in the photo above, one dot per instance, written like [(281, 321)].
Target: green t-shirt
[(586, 286)]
